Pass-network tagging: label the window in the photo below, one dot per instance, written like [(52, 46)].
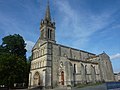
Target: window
[(49, 33), (74, 68)]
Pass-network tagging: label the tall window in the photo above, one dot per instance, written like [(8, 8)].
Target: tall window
[(74, 68), (49, 33)]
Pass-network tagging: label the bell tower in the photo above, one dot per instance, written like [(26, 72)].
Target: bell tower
[(47, 27)]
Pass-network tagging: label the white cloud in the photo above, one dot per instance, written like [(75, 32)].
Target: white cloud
[(81, 24), (29, 45), (116, 56)]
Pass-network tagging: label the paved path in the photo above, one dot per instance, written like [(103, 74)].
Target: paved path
[(99, 87)]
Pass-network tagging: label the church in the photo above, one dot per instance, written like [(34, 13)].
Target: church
[(55, 65)]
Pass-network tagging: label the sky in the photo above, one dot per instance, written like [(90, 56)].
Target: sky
[(90, 25)]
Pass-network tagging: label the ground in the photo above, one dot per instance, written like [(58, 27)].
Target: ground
[(99, 87)]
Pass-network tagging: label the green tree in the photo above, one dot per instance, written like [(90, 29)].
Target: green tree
[(13, 63), (14, 44)]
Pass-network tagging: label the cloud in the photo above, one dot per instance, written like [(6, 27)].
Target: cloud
[(116, 56), (29, 45), (81, 25)]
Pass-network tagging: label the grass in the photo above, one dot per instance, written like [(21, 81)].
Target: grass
[(89, 84)]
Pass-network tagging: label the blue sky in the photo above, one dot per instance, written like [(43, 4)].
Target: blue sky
[(90, 25)]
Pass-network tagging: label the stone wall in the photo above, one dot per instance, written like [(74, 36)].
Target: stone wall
[(79, 66), (106, 67), (63, 53), (41, 63)]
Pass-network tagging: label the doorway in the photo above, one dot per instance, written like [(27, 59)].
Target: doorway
[(36, 79)]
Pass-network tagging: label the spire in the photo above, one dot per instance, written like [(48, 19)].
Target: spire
[(47, 15)]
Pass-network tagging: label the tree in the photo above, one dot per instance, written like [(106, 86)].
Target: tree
[(13, 64), (14, 44)]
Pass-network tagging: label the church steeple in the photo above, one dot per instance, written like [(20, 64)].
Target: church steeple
[(47, 27), (47, 15)]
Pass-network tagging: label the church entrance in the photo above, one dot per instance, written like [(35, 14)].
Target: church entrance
[(36, 79), (62, 78)]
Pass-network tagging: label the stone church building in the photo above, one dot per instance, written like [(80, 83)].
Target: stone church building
[(55, 64)]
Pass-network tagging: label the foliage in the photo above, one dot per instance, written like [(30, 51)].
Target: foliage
[(14, 44), (13, 63)]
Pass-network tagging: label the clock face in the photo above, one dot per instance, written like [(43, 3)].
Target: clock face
[(61, 64)]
